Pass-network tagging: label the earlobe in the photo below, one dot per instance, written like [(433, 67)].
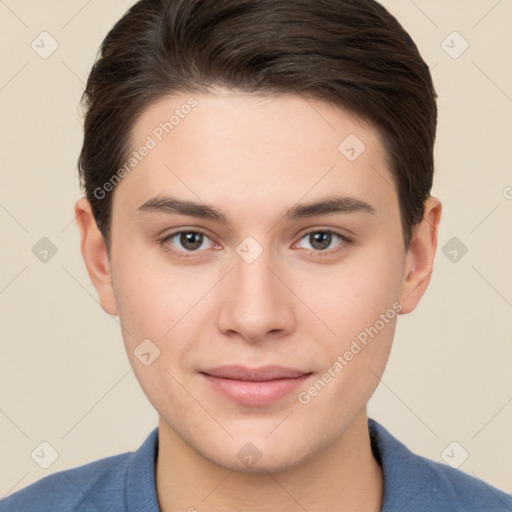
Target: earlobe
[(420, 256), (94, 253)]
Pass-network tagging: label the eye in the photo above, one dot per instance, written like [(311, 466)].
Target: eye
[(190, 241), (185, 243), (320, 240)]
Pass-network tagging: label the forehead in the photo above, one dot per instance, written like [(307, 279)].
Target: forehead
[(239, 149)]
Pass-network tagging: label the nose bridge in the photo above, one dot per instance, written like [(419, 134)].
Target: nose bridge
[(256, 302), (254, 278)]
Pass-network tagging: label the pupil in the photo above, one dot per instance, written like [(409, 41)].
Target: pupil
[(191, 241), (322, 239)]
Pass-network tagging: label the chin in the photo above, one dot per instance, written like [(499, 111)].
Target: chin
[(273, 463), (261, 455)]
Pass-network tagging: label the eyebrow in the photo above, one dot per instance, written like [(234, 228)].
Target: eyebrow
[(328, 205)]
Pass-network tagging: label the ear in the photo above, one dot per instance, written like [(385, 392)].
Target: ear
[(94, 252), (420, 256)]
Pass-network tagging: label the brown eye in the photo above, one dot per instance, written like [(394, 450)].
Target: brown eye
[(191, 240), (185, 242), (322, 241)]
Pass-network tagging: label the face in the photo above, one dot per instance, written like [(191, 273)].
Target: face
[(258, 268)]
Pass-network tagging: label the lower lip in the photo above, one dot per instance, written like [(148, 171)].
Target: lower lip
[(255, 393)]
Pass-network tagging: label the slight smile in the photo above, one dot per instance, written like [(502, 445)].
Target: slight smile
[(255, 386)]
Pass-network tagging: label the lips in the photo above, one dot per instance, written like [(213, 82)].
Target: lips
[(254, 374), (254, 386)]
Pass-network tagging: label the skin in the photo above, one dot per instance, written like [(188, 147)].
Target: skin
[(296, 305)]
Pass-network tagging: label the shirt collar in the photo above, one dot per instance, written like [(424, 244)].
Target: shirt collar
[(140, 485), (407, 478)]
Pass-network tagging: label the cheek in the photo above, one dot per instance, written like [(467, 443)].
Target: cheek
[(156, 300), (359, 302), (351, 296), (161, 322)]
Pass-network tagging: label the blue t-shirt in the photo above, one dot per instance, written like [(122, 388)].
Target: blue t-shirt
[(126, 483)]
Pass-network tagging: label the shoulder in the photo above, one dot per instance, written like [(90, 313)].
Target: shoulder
[(72, 489), (413, 482), (114, 483)]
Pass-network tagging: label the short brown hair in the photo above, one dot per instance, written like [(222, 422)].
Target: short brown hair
[(350, 53)]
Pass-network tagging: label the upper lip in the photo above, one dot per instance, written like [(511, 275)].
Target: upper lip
[(264, 373)]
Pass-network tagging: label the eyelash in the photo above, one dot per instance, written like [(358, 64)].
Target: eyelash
[(191, 254)]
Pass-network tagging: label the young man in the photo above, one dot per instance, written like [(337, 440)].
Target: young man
[(258, 213)]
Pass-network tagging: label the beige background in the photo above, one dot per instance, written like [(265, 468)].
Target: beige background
[(65, 378)]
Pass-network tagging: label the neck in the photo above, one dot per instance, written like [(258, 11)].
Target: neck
[(343, 477)]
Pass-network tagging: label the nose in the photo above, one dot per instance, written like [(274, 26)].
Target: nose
[(255, 304)]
